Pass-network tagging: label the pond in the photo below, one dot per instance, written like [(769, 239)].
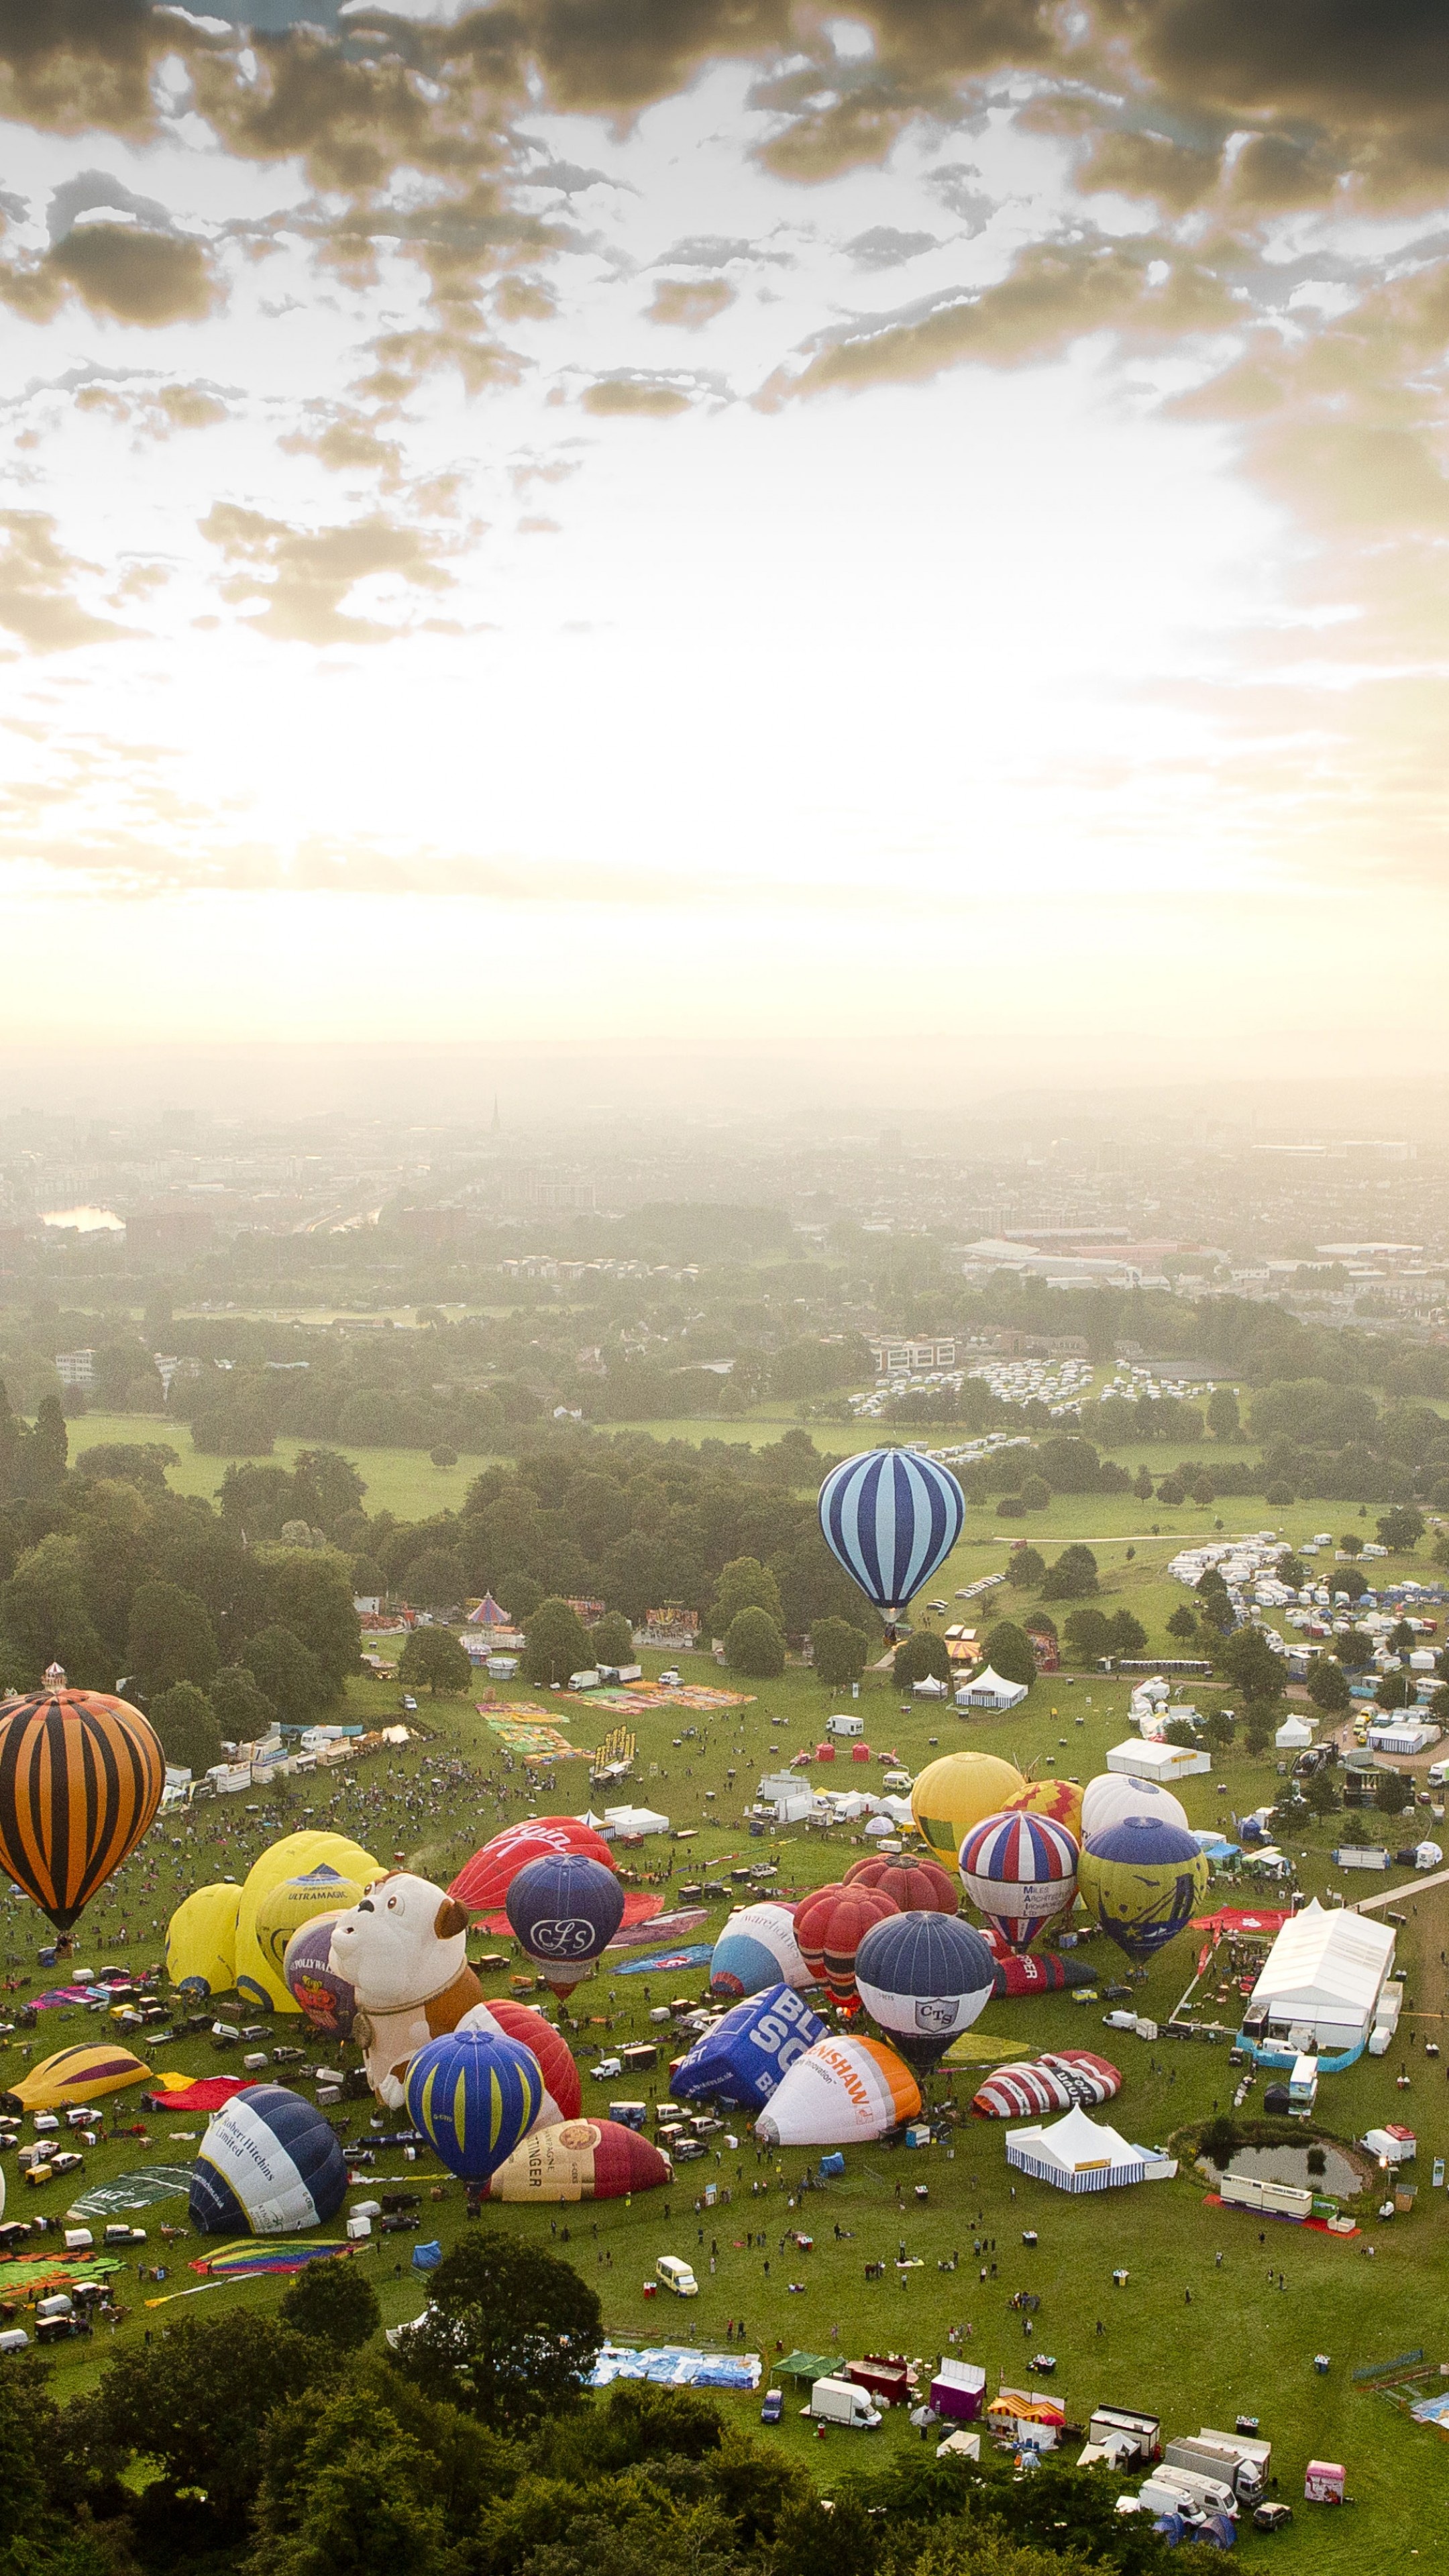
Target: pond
[(1340, 2178)]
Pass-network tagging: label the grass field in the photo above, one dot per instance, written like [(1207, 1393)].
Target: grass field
[(1238, 2343), (403, 1481)]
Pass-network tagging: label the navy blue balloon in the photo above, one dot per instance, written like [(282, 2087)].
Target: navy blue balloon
[(269, 2164), (746, 2054), (565, 1910), (891, 1517), (924, 1978)]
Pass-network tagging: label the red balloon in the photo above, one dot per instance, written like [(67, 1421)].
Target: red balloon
[(918, 1886), (830, 1926), (555, 2057), (483, 1882)]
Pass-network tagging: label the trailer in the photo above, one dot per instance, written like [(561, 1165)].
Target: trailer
[(1188, 2492), (1266, 2199), (1130, 2439), (889, 2382), (1234, 2458)]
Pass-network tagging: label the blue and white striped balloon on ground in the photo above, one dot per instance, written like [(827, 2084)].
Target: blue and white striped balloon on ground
[(756, 1949), (268, 2165), (924, 1978), (475, 2095), (1020, 1871), (746, 2054), (891, 1518)]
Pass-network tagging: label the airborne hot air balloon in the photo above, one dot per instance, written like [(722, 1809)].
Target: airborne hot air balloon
[(830, 1925), (916, 1886), (1142, 1878), (580, 2160), (756, 1949), (482, 1884), (563, 2096), (924, 1978), (475, 2095), (955, 1793), (748, 2053), (1112, 1796), (201, 1941), (268, 2165), (328, 2000), (81, 1777), (564, 1912), (840, 2093), (1021, 1873), (891, 1517), (258, 1973)]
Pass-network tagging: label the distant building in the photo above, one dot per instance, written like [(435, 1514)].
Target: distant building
[(891, 1354), (76, 1369)]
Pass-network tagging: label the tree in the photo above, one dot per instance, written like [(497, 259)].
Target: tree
[(45, 1617), (745, 1584), (1142, 1485), (1355, 1649), (1182, 1624), (1328, 1686), (198, 2401), (1218, 1729), (241, 1711), (1280, 1494), (435, 1579), (183, 1718), (1351, 1543), (1439, 1705), (443, 1456), (1393, 1793), (1394, 1690), (921, 1657), (510, 2334), (1401, 1639), (1036, 1493), (1179, 1730), (1025, 1567), (1089, 1635), (1007, 1649), (838, 1652), (1320, 1793), (1073, 1577), (1257, 1727), (1400, 1529), (1223, 1418), (1250, 1663), (434, 1656), (1172, 1491), (558, 1643), (170, 1638), (46, 1450), (613, 1639), (286, 1674), (754, 1645), (1128, 1634), (335, 2303), (1202, 1488), (312, 1595)]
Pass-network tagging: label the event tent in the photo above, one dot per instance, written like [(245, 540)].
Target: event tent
[(1293, 1734), (1078, 2154), (1140, 1759), (989, 1689), (1322, 1980)]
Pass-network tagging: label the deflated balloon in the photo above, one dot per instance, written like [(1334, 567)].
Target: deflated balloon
[(580, 2160), (841, 2092), (475, 2095), (1020, 1871), (268, 2166), (1142, 1879), (482, 1884), (756, 1949), (924, 1978), (81, 1777), (76, 2075), (955, 1793), (830, 1925), (564, 1912), (201, 1941), (747, 2054)]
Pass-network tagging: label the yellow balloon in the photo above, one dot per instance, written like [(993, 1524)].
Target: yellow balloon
[(284, 1910), (1061, 1800), (258, 1977), (201, 1940), (955, 1793)]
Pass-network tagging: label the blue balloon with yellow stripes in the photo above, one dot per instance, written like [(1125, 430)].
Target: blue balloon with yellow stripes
[(475, 2095), (891, 1517)]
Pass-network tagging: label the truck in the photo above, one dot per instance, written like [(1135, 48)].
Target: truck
[(1233, 2458), (888, 2381), (1187, 2492), (838, 2401), (1130, 2439)]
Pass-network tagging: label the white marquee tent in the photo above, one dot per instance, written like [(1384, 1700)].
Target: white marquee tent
[(988, 1689), (1323, 1979), (1078, 2154)]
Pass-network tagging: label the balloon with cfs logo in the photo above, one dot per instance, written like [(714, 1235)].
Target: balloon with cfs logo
[(564, 1912), (748, 2053)]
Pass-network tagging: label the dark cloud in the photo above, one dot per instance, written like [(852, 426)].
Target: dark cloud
[(97, 188), (38, 581), (78, 66), (1150, 165), (882, 247), (690, 302), (116, 269), (299, 579)]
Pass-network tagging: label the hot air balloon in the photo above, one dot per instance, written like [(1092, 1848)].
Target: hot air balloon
[(916, 1886), (563, 2095), (482, 1884), (81, 1777), (268, 2165), (924, 1978), (1021, 1873), (564, 1913), (328, 2000), (201, 1941), (475, 2095), (1044, 1972), (1112, 1795), (580, 2160), (891, 1517), (258, 1974), (756, 1949), (295, 1901), (955, 1793), (1060, 1800), (747, 2054), (829, 1926), (1142, 1878), (841, 2092), (76, 2075)]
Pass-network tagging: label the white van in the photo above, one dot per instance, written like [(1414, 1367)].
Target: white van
[(676, 2276), (839, 2401), (845, 1725)]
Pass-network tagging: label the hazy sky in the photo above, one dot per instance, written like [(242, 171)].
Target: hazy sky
[(729, 522)]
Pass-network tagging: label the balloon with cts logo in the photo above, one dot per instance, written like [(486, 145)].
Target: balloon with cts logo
[(745, 2056), (564, 1913), (924, 1978), (891, 1517)]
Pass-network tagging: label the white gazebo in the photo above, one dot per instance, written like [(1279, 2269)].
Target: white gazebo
[(989, 1689), (1294, 1735), (1078, 2154)]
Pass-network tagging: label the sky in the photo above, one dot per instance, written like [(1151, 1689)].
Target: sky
[(726, 525)]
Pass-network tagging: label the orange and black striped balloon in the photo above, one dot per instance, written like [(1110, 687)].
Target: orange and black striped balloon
[(81, 1777)]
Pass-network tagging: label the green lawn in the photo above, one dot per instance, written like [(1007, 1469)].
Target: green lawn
[(1240, 2344), (403, 1481)]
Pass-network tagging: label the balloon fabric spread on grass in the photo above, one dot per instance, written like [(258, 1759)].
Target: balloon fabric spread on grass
[(81, 1777), (246, 2259), (580, 2160), (693, 1955), (1052, 2082), (141, 2188), (890, 1518)]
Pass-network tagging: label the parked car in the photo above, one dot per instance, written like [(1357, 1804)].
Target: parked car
[(677, 2276), (773, 2407), (1272, 2517)]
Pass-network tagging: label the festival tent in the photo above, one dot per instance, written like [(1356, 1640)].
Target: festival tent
[(1078, 2154), (1322, 1980), (1139, 1759), (989, 1689), (488, 1614), (1293, 1734)]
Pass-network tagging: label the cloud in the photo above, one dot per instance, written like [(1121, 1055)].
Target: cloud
[(294, 581), (405, 357), (883, 247), (78, 66), (117, 270), (346, 442), (651, 397), (91, 188), (1150, 165), (154, 410), (37, 588), (689, 303)]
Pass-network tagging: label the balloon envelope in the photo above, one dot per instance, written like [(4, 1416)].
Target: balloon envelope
[(1112, 1795), (76, 2075), (840, 2092), (891, 1518), (1060, 1800), (258, 1975), (563, 2095), (756, 1949), (293, 1902), (268, 2165), (1021, 1873), (924, 1978), (580, 2160), (482, 1884), (1047, 2083), (565, 1910), (830, 1925), (475, 2095), (1142, 1879), (917, 1886), (955, 1793), (81, 1777), (201, 1941), (329, 2001), (747, 2054)]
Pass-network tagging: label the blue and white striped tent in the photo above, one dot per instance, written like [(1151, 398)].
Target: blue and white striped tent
[(1078, 2154)]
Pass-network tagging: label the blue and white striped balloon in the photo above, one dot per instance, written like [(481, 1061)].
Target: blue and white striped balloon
[(475, 2094), (891, 1517), (269, 2163)]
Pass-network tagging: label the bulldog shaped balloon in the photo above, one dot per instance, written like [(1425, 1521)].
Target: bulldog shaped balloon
[(403, 1950)]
